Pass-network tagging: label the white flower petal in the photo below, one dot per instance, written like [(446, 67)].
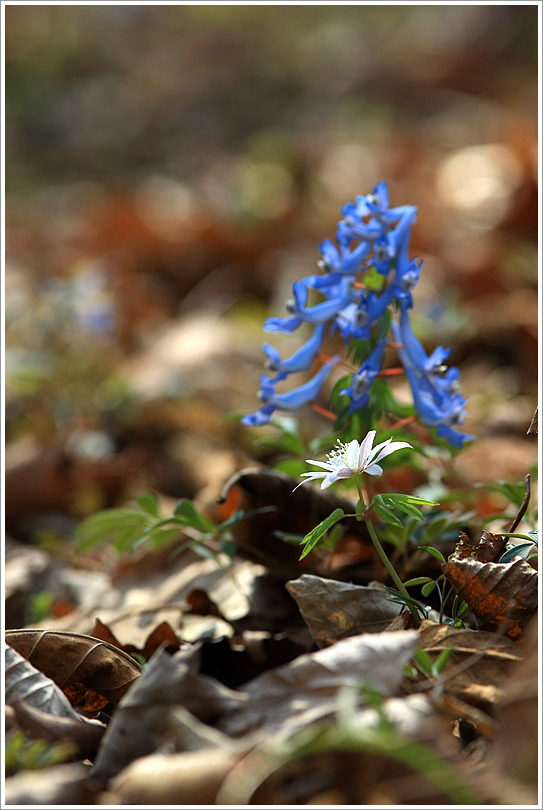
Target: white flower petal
[(309, 477), (391, 449), (377, 448), (327, 482), (326, 465), (353, 451), (346, 472), (374, 469), (365, 449)]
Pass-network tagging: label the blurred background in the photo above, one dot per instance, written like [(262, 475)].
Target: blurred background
[(171, 171)]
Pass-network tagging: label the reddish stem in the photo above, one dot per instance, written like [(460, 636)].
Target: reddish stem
[(323, 411), (403, 422), (390, 372)]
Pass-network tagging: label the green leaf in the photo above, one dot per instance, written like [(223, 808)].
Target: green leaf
[(434, 552), (332, 538), (373, 280), (158, 538), (186, 510), (511, 490), (443, 657), (124, 539), (381, 399), (106, 525), (403, 599), (383, 325), (228, 547), (359, 351), (288, 537), (520, 550), (360, 509), (386, 515), (312, 538), (462, 610), (340, 402), (424, 661), (148, 502), (410, 510), (241, 514), (418, 581), (427, 589), (401, 498)]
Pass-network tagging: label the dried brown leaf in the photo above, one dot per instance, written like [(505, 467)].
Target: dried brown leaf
[(57, 785), (69, 658), (187, 779), (291, 696), (501, 595), (146, 716), (85, 736), (478, 658), (335, 610)]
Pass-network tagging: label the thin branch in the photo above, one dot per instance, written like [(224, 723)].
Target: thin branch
[(524, 505)]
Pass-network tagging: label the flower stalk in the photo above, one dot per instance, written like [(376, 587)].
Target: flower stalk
[(390, 568)]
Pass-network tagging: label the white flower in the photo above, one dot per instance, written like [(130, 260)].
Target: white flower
[(351, 459)]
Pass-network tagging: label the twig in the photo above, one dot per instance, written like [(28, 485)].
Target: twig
[(524, 505)]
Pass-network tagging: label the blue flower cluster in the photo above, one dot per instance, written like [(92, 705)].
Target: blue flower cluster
[(371, 236)]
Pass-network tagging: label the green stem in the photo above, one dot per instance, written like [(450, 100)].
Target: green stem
[(390, 568), (360, 495)]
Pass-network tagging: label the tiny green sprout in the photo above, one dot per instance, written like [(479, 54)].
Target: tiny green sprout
[(430, 667)]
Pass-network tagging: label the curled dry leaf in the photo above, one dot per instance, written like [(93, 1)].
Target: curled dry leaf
[(85, 735), (294, 513), (489, 548), (335, 610), (287, 698), (501, 595), (71, 658), (24, 682), (41, 708), (146, 716), (188, 779)]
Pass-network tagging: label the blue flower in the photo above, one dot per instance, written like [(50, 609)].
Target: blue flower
[(433, 386), (342, 293), (353, 322), (259, 418), (381, 236), (407, 277), (413, 352), (300, 361), (285, 325), (398, 238), (352, 227), (383, 253), (444, 412), (291, 401), (344, 261), (377, 206), (362, 381)]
